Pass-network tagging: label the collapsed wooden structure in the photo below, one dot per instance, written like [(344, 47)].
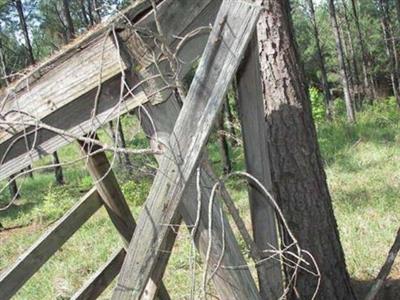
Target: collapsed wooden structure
[(76, 92)]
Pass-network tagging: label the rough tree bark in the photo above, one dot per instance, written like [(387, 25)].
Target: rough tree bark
[(368, 89), (298, 177), (342, 64), (321, 61), (24, 29), (388, 38), (68, 19)]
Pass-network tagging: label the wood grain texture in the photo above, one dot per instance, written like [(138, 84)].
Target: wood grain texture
[(251, 113), (27, 264), (63, 84), (18, 152), (233, 28), (99, 281), (114, 201), (230, 284)]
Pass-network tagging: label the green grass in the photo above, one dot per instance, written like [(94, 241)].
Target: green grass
[(362, 162)]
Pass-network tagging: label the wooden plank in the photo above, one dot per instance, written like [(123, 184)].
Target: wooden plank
[(97, 283), (114, 200), (108, 187), (251, 114), (17, 153), (63, 84), (234, 26), (27, 264)]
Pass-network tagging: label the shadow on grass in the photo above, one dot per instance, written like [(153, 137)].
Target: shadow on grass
[(389, 291)]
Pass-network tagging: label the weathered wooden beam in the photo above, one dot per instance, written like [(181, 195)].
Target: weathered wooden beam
[(19, 152), (27, 264), (229, 283), (228, 40), (75, 115), (99, 281), (108, 187), (114, 200), (251, 113)]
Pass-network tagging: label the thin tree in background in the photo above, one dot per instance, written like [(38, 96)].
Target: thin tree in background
[(224, 147), (3, 62), (342, 64), (84, 14), (231, 122), (24, 29), (353, 65), (58, 169), (90, 12), (321, 60), (119, 138), (367, 87), (388, 39), (13, 188), (298, 176), (68, 20)]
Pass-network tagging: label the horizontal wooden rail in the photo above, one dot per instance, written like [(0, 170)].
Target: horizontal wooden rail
[(100, 280), (30, 262)]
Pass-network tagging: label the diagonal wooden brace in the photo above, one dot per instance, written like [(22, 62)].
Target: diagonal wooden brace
[(113, 198), (234, 26)]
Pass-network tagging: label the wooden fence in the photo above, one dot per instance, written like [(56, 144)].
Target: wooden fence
[(66, 103)]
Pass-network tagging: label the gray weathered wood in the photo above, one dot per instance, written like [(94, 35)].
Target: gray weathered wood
[(99, 281), (230, 284), (234, 26), (108, 188), (14, 278), (114, 200), (251, 114), (73, 111)]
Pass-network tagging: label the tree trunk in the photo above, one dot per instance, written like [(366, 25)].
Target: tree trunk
[(84, 14), (97, 10), (90, 14), (398, 11), (388, 39), (231, 122), (298, 177), (367, 87), (321, 61), (353, 58), (348, 65), (68, 19), (119, 140), (3, 63), (24, 29), (224, 147), (342, 65), (29, 171), (58, 169), (12, 186)]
